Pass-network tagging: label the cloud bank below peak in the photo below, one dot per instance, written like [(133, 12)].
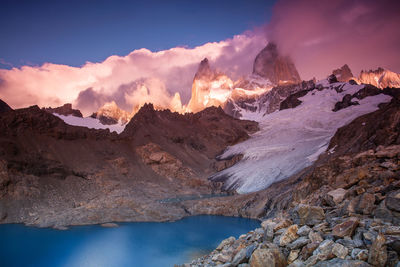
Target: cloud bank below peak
[(141, 76)]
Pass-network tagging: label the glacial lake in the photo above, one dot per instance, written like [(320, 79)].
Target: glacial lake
[(130, 244)]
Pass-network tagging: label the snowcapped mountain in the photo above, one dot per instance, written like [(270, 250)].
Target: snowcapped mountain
[(292, 139)]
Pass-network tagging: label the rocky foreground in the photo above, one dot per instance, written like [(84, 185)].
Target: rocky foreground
[(355, 224)]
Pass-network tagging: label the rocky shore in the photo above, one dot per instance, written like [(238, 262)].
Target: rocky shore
[(308, 238)]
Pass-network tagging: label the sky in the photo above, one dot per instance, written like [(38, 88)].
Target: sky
[(76, 31), (92, 52)]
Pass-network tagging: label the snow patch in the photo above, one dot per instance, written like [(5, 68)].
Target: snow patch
[(90, 123)]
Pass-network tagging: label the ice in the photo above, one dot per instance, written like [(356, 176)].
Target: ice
[(292, 139), (90, 123)]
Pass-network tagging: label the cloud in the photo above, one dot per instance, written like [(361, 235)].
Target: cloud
[(121, 78), (321, 36)]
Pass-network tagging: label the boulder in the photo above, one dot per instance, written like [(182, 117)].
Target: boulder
[(293, 255), (341, 263), (340, 251), (289, 235), (359, 254), (240, 257), (222, 258), (393, 201), (304, 230), (226, 242), (365, 204), (346, 228), (271, 257), (283, 224), (325, 250), (315, 237), (299, 243), (377, 252), (308, 250), (309, 215), (336, 196)]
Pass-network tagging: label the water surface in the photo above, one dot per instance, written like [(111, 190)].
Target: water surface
[(130, 244)]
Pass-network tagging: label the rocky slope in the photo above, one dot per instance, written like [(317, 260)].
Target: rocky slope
[(54, 174)]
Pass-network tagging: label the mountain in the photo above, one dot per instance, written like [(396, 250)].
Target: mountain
[(210, 88), (160, 155), (65, 110), (343, 74), (380, 78), (275, 67), (213, 88), (110, 114)]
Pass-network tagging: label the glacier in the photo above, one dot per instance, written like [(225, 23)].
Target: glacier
[(292, 139)]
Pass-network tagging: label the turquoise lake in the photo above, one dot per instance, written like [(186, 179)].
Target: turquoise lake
[(130, 244)]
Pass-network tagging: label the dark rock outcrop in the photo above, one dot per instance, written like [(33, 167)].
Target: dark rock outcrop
[(65, 110), (332, 78), (4, 107), (275, 67), (346, 102)]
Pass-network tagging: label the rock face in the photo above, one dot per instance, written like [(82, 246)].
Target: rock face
[(380, 78), (343, 74), (110, 113), (210, 88), (65, 110), (275, 67)]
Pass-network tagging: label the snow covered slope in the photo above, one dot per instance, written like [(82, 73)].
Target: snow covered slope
[(90, 123), (292, 139)]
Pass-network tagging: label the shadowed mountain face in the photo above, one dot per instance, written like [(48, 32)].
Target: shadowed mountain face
[(275, 67), (52, 173), (4, 107)]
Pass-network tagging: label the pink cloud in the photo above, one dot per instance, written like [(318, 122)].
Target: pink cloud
[(323, 35), (120, 78)]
